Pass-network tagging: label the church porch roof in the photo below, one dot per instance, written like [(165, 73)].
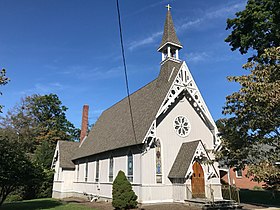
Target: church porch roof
[(183, 160)]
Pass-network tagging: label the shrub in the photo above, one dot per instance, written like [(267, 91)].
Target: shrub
[(13, 198), (123, 195), (257, 188)]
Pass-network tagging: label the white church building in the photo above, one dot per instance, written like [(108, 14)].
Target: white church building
[(167, 157)]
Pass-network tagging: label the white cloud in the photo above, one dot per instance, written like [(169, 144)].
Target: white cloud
[(86, 72), (208, 15), (40, 88), (189, 24), (148, 40), (197, 57), (225, 11)]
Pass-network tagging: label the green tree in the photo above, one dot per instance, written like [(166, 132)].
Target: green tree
[(48, 113), (3, 80), (44, 154), (40, 119), (16, 170), (267, 172), (123, 195), (37, 123), (256, 27), (251, 133)]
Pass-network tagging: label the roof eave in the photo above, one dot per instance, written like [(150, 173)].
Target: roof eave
[(169, 43), (68, 167)]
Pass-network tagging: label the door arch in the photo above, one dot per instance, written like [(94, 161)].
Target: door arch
[(198, 183)]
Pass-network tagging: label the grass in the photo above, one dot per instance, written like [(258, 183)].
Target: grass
[(48, 203)]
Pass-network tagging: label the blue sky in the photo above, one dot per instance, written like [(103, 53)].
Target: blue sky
[(72, 48)]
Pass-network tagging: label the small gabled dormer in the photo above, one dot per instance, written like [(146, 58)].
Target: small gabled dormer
[(170, 44)]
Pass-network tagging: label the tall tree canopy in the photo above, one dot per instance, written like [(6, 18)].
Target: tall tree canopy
[(38, 119), (3, 80), (257, 27), (251, 135)]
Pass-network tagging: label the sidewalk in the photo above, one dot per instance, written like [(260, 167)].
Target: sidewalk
[(257, 207)]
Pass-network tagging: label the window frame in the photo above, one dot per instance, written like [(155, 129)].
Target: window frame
[(111, 169), (130, 171), (86, 171), (78, 171), (158, 149), (97, 175), (236, 173), (179, 126)]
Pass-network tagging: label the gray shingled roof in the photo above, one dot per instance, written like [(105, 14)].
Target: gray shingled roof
[(169, 34), (113, 129), (66, 151), (183, 160)]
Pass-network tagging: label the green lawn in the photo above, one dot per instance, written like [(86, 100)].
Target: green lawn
[(48, 203)]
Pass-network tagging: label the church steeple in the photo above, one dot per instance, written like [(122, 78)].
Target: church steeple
[(170, 44)]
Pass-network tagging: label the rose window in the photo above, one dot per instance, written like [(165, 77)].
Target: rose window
[(182, 126)]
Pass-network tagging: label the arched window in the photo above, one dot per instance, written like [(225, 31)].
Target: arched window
[(158, 162), (130, 167)]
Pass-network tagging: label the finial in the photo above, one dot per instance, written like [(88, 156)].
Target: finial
[(168, 7)]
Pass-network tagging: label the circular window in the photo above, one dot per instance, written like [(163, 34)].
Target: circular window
[(182, 126)]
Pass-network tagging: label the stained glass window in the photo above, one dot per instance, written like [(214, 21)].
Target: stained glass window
[(182, 126), (130, 167), (158, 163), (111, 168)]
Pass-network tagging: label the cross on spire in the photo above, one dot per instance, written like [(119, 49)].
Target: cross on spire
[(170, 44), (168, 7)]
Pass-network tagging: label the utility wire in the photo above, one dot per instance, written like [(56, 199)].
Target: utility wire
[(125, 72)]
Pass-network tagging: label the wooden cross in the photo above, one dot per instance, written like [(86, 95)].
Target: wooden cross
[(168, 7)]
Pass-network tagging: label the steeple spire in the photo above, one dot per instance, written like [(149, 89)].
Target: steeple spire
[(170, 44)]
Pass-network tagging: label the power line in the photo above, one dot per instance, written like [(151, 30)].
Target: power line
[(125, 72)]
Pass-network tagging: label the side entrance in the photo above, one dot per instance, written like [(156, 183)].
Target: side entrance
[(198, 184)]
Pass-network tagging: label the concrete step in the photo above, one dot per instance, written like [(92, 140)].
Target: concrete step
[(218, 204)]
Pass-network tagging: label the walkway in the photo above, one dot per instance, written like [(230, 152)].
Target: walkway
[(102, 205)]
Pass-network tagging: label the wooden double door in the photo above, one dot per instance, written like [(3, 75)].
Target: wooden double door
[(198, 183)]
